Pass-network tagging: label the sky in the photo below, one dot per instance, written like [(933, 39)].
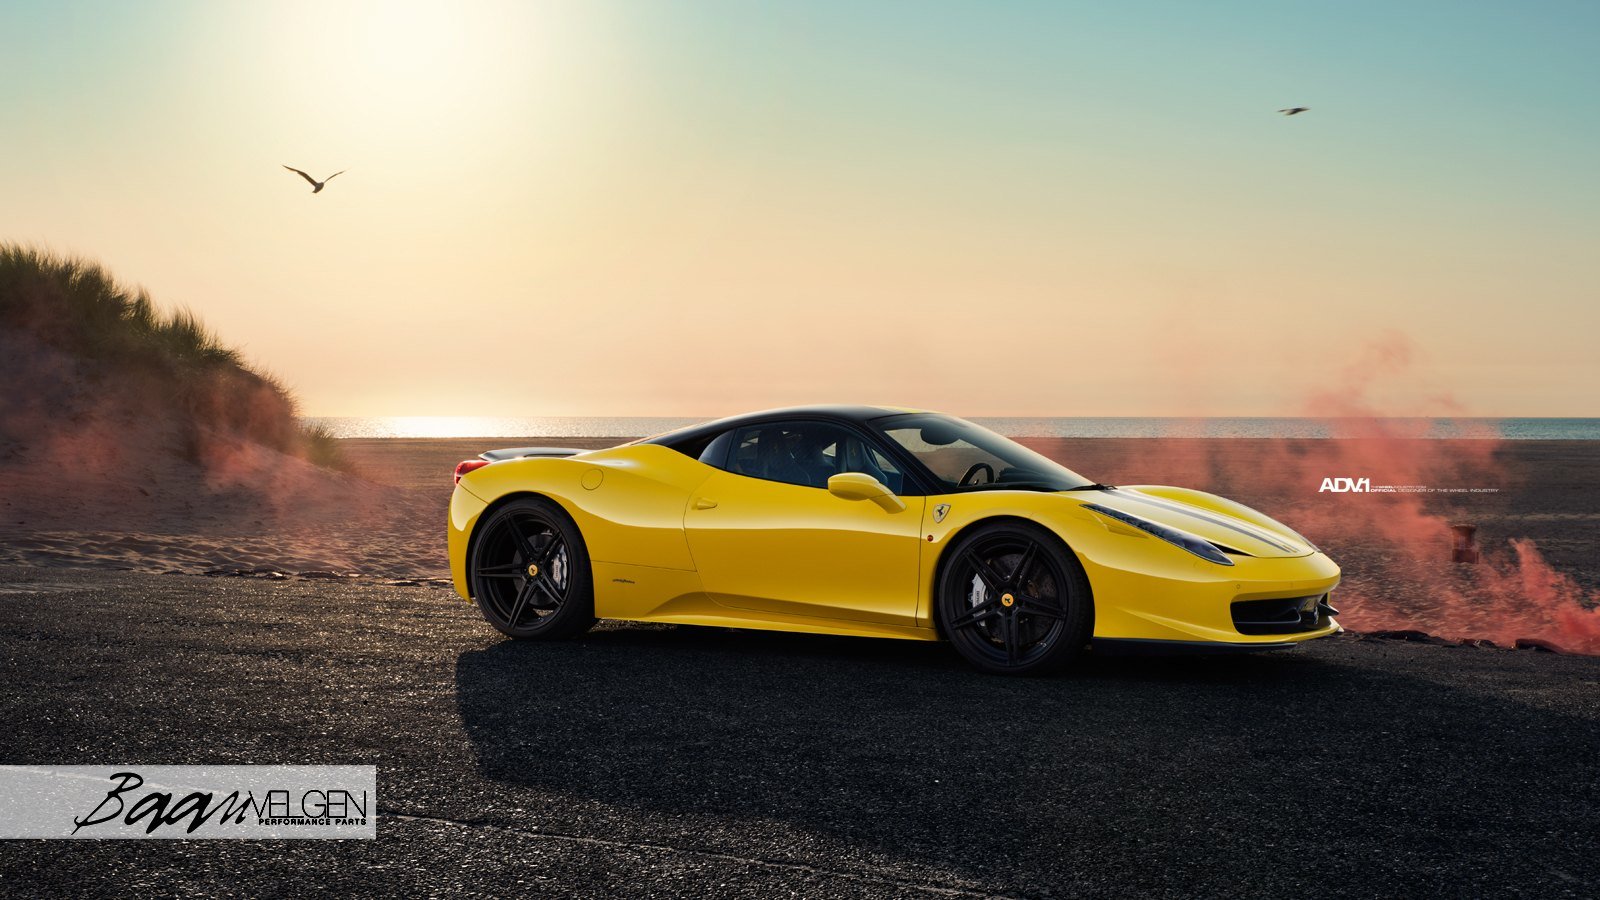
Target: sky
[(701, 208)]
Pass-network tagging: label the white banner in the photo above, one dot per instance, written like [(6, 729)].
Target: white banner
[(189, 802)]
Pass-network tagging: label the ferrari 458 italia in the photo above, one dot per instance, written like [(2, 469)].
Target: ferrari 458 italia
[(876, 522)]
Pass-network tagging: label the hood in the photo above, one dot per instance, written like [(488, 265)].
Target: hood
[(1231, 526)]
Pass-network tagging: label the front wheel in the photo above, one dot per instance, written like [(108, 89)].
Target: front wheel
[(1014, 601), (529, 572)]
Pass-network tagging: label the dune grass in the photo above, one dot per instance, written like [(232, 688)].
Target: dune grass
[(76, 307), (322, 448)]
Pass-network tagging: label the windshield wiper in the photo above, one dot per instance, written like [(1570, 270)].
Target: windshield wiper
[(1092, 486)]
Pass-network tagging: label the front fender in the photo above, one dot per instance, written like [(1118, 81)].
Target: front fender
[(1143, 587), (1055, 512)]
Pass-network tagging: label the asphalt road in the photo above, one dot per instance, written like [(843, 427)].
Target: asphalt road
[(678, 761)]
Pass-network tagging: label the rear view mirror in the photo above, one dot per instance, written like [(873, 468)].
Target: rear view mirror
[(861, 486)]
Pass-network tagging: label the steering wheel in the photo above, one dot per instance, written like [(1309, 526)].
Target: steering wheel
[(976, 468)]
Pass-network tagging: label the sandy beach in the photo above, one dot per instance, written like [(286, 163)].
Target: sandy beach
[(1534, 504)]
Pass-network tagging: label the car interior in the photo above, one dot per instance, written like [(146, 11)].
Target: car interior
[(807, 455)]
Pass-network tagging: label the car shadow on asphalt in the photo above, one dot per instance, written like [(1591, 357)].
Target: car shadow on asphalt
[(896, 748)]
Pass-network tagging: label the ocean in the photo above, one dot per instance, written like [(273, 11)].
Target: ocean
[(626, 426)]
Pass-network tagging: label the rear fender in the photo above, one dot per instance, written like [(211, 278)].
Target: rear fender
[(628, 502)]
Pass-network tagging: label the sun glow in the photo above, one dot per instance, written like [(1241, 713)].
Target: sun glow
[(427, 75), (419, 56), (437, 426)]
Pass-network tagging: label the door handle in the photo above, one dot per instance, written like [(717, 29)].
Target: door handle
[(704, 503)]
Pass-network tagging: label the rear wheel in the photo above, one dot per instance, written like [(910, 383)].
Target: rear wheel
[(529, 572), (1014, 601)]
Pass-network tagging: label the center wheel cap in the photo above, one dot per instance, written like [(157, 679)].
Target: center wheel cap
[(1007, 600), (533, 571)]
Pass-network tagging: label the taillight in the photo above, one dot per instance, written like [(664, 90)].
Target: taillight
[(469, 465)]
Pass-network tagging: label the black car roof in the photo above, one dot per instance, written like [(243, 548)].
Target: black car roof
[(835, 412)]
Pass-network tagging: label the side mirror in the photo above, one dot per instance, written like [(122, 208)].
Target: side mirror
[(861, 486)]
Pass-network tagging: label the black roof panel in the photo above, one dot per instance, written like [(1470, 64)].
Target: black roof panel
[(695, 434)]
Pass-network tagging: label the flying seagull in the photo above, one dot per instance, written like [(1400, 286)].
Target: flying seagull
[(316, 186), (1291, 111)]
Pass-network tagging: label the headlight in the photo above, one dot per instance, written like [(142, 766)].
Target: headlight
[(1197, 545)]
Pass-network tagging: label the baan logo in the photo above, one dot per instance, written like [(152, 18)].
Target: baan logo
[(1345, 486), (158, 807), (188, 802), (280, 807)]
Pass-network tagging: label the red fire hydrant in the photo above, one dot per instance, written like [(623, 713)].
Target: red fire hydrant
[(1464, 550)]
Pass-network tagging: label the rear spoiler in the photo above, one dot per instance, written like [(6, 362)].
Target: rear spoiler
[(524, 452)]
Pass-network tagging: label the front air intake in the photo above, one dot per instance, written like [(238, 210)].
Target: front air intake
[(1287, 615)]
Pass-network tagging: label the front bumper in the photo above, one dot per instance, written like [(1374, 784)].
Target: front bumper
[(1207, 603)]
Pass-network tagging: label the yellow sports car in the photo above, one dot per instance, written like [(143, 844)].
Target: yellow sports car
[(876, 522)]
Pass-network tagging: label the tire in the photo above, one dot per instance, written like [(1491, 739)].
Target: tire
[(529, 572), (1014, 600)]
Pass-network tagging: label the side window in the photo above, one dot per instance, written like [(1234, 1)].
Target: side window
[(785, 453), (806, 454)]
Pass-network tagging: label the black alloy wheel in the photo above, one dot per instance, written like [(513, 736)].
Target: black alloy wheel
[(1013, 600), (529, 571)]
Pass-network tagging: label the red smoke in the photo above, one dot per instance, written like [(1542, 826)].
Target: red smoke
[(1395, 547), (1512, 594)]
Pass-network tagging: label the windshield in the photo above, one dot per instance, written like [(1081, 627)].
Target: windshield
[(968, 457)]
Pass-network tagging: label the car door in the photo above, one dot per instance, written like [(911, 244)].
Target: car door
[(767, 535)]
